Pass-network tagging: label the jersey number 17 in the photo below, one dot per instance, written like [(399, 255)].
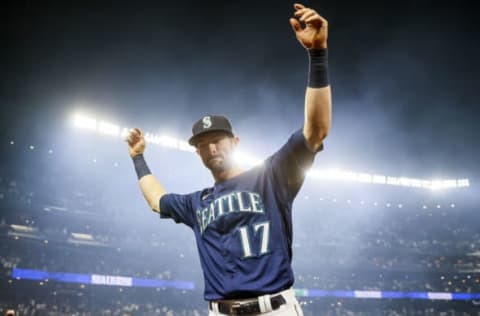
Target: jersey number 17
[(245, 237)]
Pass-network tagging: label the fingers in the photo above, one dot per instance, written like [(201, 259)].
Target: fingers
[(309, 16), (131, 140), (134, 136), (298, 13), (304, 14), (298, 6), (313, 19), (295, 25)]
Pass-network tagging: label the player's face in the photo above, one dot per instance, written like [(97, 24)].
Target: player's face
[(216, 150)]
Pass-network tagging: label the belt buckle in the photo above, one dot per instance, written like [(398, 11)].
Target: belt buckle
[(233, 308)]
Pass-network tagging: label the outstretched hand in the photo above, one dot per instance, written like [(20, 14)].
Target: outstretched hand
[(136, 142), (315, 31)]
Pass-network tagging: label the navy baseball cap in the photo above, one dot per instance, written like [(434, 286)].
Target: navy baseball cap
[(210, 123)]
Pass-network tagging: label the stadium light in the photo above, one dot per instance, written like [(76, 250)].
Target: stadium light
[(108, 128), (23, 229), (89, 123), (83, 239), (17, 231), (84, 122)]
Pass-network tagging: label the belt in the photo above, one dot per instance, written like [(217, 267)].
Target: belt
[(246, 308)]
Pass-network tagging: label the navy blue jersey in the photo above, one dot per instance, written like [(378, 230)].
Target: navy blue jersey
[(243, 225)]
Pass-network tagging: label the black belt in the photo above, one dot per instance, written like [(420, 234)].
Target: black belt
[(247, 308)]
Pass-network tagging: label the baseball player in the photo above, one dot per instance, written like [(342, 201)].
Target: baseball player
[(243, 223)]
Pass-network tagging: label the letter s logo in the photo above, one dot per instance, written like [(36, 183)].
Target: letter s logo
[(207, 122)]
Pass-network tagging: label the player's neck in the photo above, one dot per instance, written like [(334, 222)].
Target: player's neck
[(227, 174)]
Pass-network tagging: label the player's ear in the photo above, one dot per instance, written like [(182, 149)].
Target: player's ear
[(236, 140)]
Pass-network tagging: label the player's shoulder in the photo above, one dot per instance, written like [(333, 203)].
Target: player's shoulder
[(190, 196)]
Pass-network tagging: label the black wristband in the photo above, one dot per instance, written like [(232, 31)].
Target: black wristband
[(140, 166), (318, 72)]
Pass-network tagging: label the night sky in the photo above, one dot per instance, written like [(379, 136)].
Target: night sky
[(404, 75)]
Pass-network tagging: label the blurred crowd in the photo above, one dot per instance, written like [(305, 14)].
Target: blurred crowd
[(340, 243)]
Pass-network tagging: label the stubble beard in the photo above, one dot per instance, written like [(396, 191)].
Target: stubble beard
[(219, 165), (216, 165)]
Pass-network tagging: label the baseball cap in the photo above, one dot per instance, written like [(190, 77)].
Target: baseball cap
[(210, 123)]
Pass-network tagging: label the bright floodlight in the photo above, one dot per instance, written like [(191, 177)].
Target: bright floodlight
[(162, 140), (463, 183), (23, 228), (379, 179), (81, 236), (247, 160), (108, 128), (85, 122)]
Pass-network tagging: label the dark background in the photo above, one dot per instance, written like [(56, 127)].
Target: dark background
[(403, 74)]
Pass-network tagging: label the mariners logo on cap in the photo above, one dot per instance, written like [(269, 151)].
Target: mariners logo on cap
[(207, 122), (210, 123)]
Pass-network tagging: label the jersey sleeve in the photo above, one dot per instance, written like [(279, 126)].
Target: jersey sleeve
[(177, 207), (290, 163)]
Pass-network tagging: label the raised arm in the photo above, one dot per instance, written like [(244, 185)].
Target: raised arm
[(318, 98), (151, 188)]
